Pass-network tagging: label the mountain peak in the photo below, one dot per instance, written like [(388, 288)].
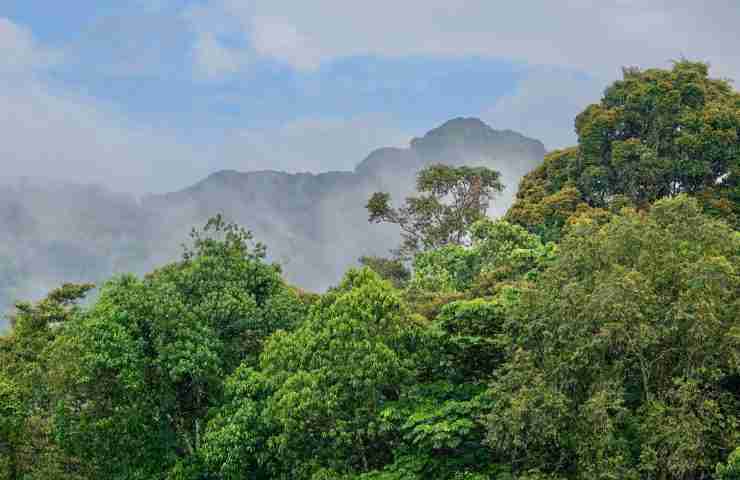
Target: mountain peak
[(462, 124)]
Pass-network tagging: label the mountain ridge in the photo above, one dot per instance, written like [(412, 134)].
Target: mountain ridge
[(310, 222)]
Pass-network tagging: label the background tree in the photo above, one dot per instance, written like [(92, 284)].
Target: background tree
[(451, 199), (655, 133), (391, 269)]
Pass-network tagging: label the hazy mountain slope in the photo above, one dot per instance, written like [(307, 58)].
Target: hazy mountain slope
[(314, 224), (317, 224), (51, 233)]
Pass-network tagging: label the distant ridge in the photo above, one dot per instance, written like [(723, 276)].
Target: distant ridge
[(314, 224), (318, 223)]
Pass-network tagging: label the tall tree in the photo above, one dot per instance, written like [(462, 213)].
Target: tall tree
[(451, 200), (656, 133)]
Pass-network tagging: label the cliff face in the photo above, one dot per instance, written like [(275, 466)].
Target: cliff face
[(314, 224)]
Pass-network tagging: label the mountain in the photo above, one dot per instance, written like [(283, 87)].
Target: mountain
[(314, 224)]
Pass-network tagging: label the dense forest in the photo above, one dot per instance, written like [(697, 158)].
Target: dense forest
[(592, 332)]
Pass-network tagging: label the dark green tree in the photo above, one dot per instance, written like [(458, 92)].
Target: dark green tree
[(391, 269), (656, 133)]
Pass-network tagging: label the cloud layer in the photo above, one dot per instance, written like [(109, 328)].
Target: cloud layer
[(594, 37)]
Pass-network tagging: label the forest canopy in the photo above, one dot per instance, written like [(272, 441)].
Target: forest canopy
[(592, 332)]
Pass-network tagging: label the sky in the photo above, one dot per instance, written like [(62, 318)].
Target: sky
[(153, 95)]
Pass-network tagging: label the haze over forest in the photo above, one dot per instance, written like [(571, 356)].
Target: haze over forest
[(315, 225), (102, 107)]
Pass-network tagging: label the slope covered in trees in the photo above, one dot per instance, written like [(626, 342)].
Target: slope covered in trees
[(592, 333)]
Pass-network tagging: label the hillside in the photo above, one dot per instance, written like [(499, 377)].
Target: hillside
[(315, 225)]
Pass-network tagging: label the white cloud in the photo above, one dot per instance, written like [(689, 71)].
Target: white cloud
[(596, 37), (215, 60), (55, 135), (48, 134), (19, 52), (544, 105), (280, 40), (573, 48)]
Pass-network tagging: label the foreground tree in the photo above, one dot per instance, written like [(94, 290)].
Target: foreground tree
[(319, 397), (624, 359), (28, 448), (731, 469), (451, 200), (135, 376)]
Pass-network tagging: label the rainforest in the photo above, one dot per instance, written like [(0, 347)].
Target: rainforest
[(592, 331)]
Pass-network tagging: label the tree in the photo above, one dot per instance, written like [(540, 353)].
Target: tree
[(731, 469), (333, 378), (136, 375), (26, 385), (630, 338), (451, 200), (391, 269), (12, 412), (236, 444), (500, 253), (656, 133)]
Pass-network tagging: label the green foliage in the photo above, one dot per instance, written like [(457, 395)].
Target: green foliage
[(451, 268), (148, 360), (731, 469), (12, 412), (451, 200), (594, 334), (500, 253), (30, 447), (333, 377), (655, 133), (473, 336), (236, 443), (641, 311), (390, 269)]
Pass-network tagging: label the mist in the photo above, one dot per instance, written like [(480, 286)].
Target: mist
[(314, 225)]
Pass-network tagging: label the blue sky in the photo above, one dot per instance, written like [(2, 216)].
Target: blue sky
[(151, 95)]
